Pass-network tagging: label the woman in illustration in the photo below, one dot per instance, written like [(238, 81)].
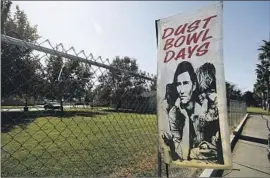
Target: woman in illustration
[(208, 130)]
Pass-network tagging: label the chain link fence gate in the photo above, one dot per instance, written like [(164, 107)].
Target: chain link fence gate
[(102, 125)]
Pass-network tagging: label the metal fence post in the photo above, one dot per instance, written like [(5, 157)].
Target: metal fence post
[(239, 111), (159, 171), (230, 113), (167, 170), (243, 109)]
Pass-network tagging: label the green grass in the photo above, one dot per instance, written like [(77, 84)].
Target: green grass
[(116, 144), (255, 110), (113, 144)]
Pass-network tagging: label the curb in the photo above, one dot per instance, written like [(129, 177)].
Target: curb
[(233, 140)]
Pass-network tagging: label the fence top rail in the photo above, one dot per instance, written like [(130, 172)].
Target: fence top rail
[(239, 101), (18, 42)]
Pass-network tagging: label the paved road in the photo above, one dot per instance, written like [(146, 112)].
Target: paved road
[(250, 155), (38, 108)]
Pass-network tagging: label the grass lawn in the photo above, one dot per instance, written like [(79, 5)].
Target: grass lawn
[(115, 144), (255, 110), (112, 144)]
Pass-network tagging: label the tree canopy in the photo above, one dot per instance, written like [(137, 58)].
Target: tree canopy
[(63, 79), (66, 79), (262, 85), (20, 70), (116, 86)]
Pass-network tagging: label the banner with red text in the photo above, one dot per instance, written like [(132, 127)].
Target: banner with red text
[(192, 105)]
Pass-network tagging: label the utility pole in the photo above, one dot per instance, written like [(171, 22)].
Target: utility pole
[(267, 80), (268, 75)]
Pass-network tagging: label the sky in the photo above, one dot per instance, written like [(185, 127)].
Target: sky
[(127, 28)]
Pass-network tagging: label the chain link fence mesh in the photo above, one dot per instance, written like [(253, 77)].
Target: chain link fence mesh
[(236, 111), (64, 113)]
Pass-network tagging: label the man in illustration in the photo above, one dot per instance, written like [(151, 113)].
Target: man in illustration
[(181, 134)]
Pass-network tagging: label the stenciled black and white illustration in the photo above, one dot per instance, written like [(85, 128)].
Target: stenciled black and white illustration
[(192, 114)]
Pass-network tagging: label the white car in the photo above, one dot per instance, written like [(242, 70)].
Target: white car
[(52, 105)]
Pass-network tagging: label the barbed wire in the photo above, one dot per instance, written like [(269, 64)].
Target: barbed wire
[(90, 59)]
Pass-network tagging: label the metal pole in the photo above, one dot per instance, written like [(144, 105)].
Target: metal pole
[(230, 120), (159, 166), (267, 83), (268, 105), (268, 79), (167, 170), (159, 172)]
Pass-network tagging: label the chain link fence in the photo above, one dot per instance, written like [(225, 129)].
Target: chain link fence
[(236, 111), (64, 113)]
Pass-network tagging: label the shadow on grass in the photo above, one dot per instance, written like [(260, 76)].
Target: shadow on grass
[(10, 119), (121, 110)]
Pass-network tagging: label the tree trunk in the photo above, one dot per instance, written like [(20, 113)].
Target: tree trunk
[(61, 103), (118, 105), (80, 100), (26, 103)]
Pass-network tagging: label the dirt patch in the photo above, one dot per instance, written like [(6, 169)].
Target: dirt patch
[(123, 172), (145, 165)]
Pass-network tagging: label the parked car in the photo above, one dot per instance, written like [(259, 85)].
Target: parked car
[(52, 105), (79, 103)]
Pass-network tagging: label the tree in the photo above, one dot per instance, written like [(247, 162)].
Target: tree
[(89, 96), (5, 13), (32, 76), (232, 92), (153, 86), (260, 90), (67, 80), (18, 69), (117, 86), (249, 98), (263, 74)]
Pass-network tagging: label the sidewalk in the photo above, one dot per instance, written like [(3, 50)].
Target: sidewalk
[(250, 155)]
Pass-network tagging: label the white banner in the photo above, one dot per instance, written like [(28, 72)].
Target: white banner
[(192, 105)]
